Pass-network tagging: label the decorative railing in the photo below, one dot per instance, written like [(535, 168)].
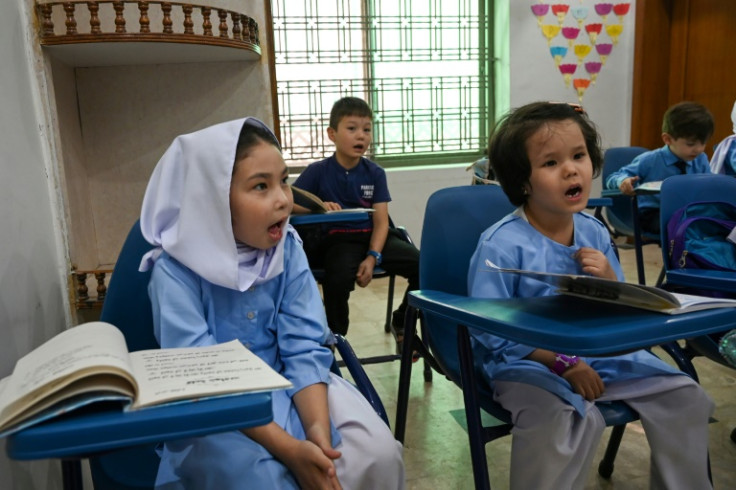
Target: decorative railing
[(145, 21), (82, 298)]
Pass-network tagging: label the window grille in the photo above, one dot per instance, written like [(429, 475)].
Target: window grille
[(422, 65)]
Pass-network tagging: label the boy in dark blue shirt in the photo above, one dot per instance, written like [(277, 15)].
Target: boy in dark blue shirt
[(350, 251)]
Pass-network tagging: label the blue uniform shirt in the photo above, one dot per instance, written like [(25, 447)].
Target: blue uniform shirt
[(654, 166)]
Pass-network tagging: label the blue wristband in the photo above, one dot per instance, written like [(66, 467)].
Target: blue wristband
[(377, 256)]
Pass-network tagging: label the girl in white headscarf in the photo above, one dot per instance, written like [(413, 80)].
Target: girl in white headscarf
[(229, 266), (724, 157)]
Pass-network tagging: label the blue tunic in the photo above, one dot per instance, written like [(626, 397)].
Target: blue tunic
[(282, 321), (513, 243)]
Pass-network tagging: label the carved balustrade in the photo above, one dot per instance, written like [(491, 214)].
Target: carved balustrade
[(83, 300), (145, 21)]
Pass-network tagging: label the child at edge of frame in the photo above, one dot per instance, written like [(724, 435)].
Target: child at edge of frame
[(545, 156), (350, 251), (227, 265)]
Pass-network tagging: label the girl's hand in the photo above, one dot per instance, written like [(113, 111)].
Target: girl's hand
[(312, 468), (365, 271), (627, 186), (585, 380), (595, 263)]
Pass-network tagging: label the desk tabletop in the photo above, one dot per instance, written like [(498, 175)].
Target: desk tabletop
[(335, 217), (572, 325), (77, 435)]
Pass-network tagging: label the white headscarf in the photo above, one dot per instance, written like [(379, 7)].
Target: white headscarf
[(719, 156), (186, 211)]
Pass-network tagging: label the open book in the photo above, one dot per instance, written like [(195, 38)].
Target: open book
[(90, 363), (316, 205), (636, 295)]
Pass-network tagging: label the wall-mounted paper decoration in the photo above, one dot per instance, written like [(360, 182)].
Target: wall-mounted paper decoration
[(582, 34)]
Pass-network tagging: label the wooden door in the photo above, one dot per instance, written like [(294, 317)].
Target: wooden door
[(684, 50)]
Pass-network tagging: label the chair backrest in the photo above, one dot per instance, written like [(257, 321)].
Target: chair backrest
[(454, 219), (678, 191), (128, 307), (619, 214)]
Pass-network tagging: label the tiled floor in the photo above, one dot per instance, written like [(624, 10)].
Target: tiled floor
[(436, 450)]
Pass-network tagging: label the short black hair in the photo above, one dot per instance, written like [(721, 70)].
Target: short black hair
[(349, 106), (688, 120), (252, 133), (507, 151)]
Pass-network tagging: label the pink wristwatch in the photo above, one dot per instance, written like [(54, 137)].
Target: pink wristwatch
[(563, 363)]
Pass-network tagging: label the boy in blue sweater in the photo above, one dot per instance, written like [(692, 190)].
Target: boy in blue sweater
[(686, 128)]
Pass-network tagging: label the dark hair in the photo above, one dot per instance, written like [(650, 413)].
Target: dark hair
[(507, 151), (252, 133), (688, 120), (349, 106)]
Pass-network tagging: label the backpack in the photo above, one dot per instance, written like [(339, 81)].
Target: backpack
[(698, 234)]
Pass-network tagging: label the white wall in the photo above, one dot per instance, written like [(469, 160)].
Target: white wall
[(32, 305)]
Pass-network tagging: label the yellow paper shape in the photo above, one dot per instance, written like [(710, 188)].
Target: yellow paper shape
[(550, 31), (614, 30)]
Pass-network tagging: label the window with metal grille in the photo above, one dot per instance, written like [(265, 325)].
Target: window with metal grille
[(422, 65)]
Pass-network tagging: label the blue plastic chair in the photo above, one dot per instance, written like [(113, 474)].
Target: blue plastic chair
[(128, 307), (454, 219), (678, 191)]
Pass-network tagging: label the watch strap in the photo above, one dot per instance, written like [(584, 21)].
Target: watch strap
[(376, 255), (563, 363)]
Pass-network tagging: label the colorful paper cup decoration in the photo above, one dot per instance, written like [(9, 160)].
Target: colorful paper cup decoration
[(558, 52), (593, 68), (593, 30), (603, 50), (570, 33), (550, 31), (621, 9), (560, 10), (573, 50), (581, 51), (568, 70), (603, 9), (540, 10), (614, 31), (580, 14), (581, 85)]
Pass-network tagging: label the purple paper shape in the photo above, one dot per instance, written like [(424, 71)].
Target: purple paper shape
[(593, 67), (540, 9), (570, 32), (603, 8), (604, 49)]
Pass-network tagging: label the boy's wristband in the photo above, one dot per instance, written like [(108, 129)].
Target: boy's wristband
[(376, 255), (563, 363)]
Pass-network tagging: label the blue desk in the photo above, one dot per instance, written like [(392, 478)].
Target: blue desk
[(572, 325), (80, 436), (320, 218)]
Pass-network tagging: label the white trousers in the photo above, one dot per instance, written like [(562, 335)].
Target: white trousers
[(371, 457), (553, 446)]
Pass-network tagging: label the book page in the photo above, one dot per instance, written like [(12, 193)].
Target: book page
[(192, 372), (75, 353), (308, 200), (601, 289), (649, 187)]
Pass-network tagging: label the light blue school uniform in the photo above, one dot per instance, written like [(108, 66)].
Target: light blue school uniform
[(282, 321), (513, 243), (653, 166)]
